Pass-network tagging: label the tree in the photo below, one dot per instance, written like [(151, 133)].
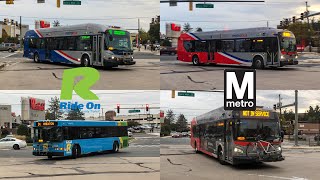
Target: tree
[(56, 23), (144, 36), (154, 32), (181, 123), (75, 114), (170, 117), (313, 114), (133, 123), (23, 130), (198, 29), (187, 27), (300, 30), (53, 112), (165, 130)]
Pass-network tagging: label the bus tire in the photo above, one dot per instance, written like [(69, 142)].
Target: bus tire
[(36, 58), (258, 63), (75, 151), (220, 156), (196, 148), (115, 148), (85, 61), (195, 60)]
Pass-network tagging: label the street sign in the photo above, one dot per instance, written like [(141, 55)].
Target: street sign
[(71, 2), (190, 94), (41, 1), (204, 5), (134, 111)]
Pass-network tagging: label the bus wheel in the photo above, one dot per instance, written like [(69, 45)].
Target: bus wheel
[(195, 60), (196, 148), (36, 58), (75, 151), (258, 63), (115, 147), (49, 156), (78, 151), (220, 157), (85, 61)]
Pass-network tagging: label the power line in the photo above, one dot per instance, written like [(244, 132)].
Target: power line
[(91, 18)]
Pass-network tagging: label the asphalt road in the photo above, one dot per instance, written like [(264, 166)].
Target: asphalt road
[(22, 73), (139, 160), (179, 161), (184, 76)]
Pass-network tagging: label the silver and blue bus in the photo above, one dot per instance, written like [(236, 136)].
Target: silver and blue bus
[(78, 137), (85, 45)]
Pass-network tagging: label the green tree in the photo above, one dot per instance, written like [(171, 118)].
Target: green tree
[(165, 130), (56, 23), (53, 112), (154, 32), (170, 117), (187, 27), (144, 36), (133, 123), (165, 42), (198, 29), (23, 130), (300, 30), (76, 114), (313, 114), (181, 123)]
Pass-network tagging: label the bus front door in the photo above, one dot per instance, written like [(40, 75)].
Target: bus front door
[(229, 146), (96, 50), (272, 51)]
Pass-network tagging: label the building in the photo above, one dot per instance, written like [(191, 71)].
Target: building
[(143, 119), (12, 28), (5, 117)]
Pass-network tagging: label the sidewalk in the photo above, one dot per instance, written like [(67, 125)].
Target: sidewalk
[(309, 57), (154, 134), (146, 51)]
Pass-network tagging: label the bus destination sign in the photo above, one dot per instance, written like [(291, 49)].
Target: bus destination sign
[(47, 123), (257, 113)]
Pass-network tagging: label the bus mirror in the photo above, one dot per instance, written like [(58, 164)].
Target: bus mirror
[(111, 38)]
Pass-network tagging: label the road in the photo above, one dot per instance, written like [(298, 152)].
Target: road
[(139, 161), (22, 73), (179, 161), (184, 76)]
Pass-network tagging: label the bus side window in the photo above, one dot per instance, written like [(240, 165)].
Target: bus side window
[(218, 46)]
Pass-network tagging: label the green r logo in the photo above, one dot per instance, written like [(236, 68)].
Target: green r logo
[(89, 77)]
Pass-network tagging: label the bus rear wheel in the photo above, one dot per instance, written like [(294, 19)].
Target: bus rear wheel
[(36, 58), (85, 61), (115, 147), (76, 151), (258, 63), (195, 60)]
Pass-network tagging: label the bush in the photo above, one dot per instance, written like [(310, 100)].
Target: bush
[(29, 139), (4, 132), (165, 130), (23, 130)]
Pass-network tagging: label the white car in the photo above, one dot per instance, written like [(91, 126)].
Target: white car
[(129, 133), (14, 143)]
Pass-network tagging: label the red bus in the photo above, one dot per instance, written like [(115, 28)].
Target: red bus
[(253, 47), (238, 137)]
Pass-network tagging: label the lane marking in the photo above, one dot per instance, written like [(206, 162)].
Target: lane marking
[(9, 55), (279, 177)]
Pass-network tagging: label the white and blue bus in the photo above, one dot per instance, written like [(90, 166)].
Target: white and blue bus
[(75, 137), (85, 45)]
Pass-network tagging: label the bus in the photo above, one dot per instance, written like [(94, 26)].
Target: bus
[(85, 45), (78, 137), (238, 137), (254, 47)]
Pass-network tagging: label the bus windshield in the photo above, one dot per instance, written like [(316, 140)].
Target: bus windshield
[(268, 130), (118, 40), (288, 44), (52, 134)]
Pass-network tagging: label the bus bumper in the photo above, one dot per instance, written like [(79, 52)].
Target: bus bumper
[(115, 63), (250, 159), (39, 153), (288, 62)]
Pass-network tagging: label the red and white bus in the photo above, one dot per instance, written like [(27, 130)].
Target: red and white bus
[(238, 137), (254, 47)]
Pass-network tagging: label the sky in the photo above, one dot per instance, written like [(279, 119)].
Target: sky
[(206, 101), (123, 13), (107, 99), (226, 16)]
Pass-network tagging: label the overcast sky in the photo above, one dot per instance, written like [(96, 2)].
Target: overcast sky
[(108, 99), (235, 15), (107, 12), (206, 101)]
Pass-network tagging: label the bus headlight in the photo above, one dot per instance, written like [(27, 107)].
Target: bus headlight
[(282, 57), (238, 150), (279, 148), (296, 57), (112, 57)]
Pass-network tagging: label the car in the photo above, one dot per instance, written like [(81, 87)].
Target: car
[(12, 143), (168, 50), (176, 135), (317, 138), (10, 47), (185, 134), (130, 134)]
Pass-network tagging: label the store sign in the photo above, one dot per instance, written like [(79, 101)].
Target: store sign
[(38, 106)]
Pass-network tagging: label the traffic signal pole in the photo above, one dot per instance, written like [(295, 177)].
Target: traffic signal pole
[(20, 27), (296, 119)]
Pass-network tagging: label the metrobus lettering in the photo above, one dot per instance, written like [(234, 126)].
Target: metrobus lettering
[(239, 104)]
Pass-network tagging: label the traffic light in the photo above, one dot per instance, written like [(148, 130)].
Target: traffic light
[(58, 3), (301, 16), (281, 23), (9, 1), (118, 108), (287, 22), (190, 6), (293, 19), (275, 107), (147, 107)]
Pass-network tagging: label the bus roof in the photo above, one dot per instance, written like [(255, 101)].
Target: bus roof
[(72, 30), (50, 123), (236, 33), (220, 114)]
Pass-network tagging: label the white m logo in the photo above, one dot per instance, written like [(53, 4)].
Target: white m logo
[(247, 82)]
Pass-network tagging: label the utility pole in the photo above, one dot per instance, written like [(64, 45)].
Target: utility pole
[(20, 26), (102, 114), (280, 104), (309, 29), (296, 119), (139, 34), (267, 23)]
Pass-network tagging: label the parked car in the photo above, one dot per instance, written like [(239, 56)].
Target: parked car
[(130, 134), (168, 50), (316, 138), (12, 143), (185, 134), (10, 47), (176, 135)]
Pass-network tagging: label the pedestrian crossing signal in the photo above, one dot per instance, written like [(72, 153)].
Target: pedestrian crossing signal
[(118, 108)]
